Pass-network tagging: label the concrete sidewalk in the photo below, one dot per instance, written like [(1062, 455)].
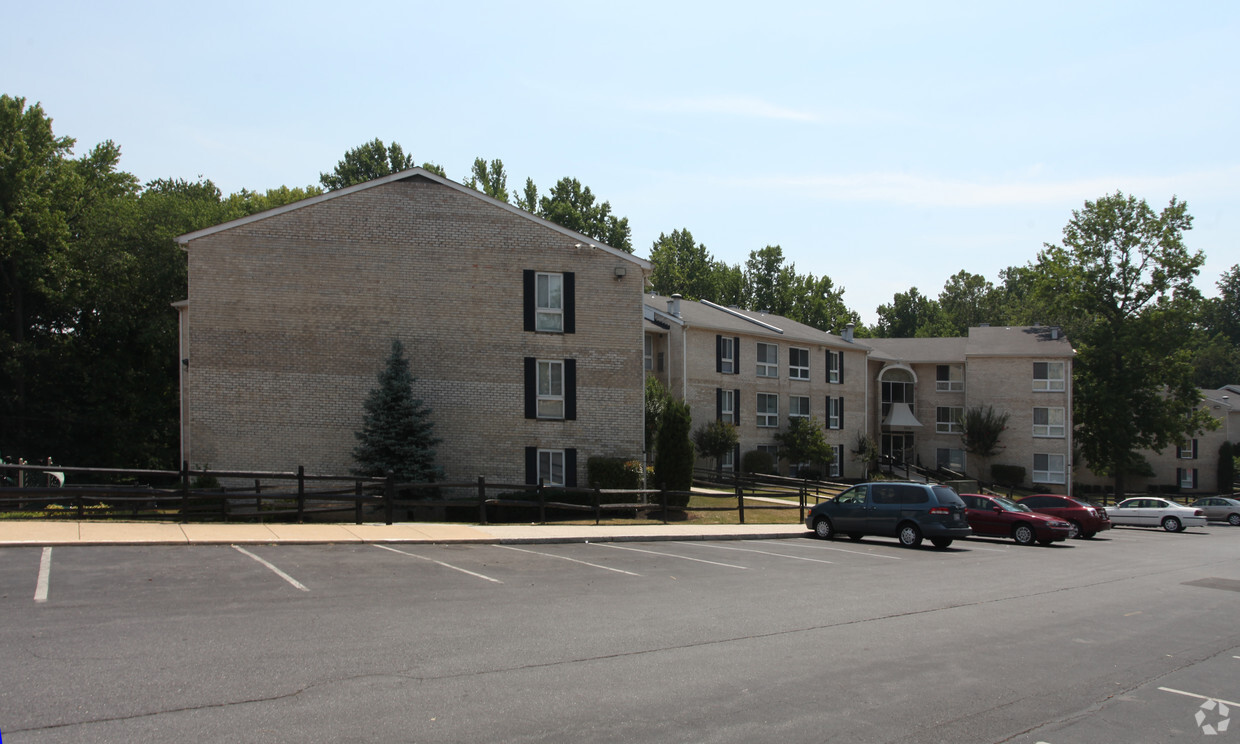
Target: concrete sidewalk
[(90, 532)]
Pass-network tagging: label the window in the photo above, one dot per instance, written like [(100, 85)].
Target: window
[(648, 353), (727, 461), (949, 378), (551, 467), (1187, 478), (947, 458), (768, 360), (549, 302), (725, 354), (1188, 451), (1048, 422), (836, 468), (550, 389), (798, 364), (1048, 377), (897, 388), (948, 420), (1048, 469), (835, 366), (798, 406), (727, 410), (835, 413), (768, 410)]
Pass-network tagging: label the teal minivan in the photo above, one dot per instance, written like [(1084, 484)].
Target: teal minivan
[(908, 511)]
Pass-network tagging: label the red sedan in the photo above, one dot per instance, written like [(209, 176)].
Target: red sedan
[(995, 516), (1086, 520)]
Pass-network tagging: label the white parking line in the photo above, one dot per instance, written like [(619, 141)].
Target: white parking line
[(669, 555), (816, 546), (441, 563), (274, 570), (566, 558), (45, 572), (751, 550), (1199, 697)]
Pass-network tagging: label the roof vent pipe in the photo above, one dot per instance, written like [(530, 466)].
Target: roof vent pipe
[(848, 331), (673, 305)]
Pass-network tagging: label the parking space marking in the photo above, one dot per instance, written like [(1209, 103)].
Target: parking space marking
[(751, 550), (441, 563), (669, 555), (566, 558), (274, 570), (815, 546), (1199, 697), (45, 574)]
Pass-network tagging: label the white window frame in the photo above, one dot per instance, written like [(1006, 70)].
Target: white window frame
[(835, 363), (1187, 477), (768, 367), (798, 371), (549, 304), (727, 405), (954, 382), (952, 425), (1054, 425), (797, 404), (835, 417), (1051, 383), (648, 353), (1185, 451), (727, 355), (768, 419), (550, 395), (547, 462), (727, 461), (1054, 468), (836, 468)]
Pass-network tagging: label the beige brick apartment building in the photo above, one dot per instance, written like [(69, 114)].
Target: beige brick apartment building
[(757, 370), (525, 337), (923, 385)]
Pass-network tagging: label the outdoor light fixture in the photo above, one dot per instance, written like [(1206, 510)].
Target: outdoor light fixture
[(620, 272)]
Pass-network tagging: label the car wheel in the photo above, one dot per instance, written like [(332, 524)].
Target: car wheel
[(1074, 530), (1023, 534), (824, 529), (1171, 524), (910, 535), (855, 535), (941, 542), (1233, 520)]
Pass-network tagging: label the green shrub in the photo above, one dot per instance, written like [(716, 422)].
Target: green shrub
[(758, 461), (1008, 475)]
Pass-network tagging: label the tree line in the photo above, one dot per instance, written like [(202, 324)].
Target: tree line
[(89, 268)]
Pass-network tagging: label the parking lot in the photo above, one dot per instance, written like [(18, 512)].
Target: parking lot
[(1122, 638)]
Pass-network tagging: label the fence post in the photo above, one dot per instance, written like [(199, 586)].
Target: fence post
[(389, 495), (804, 500), (482, 500), (740, 504), (184, 489), (301, 492), (597, 499), (258, 495), (357, 501), (542, 503), (663, 500)]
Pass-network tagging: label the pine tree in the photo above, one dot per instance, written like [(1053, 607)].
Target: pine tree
[(673, 456), (396, 432)]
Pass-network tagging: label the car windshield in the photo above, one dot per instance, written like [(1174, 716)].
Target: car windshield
[(1009, 505)]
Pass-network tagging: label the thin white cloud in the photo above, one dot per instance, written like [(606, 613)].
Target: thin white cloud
[(930, 191), (739, 106)]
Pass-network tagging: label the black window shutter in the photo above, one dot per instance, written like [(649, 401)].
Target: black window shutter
[(840, 358), (718, 404), (829, 366), (531, 293), (531, 387), (841, 426), (570, 389), (718, 353), (736, 407), (531, 466), (570, 468), (1194, 472), (736, 355), (1194, 455), (570, 302)]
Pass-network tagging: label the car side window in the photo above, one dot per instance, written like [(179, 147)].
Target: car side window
[(910, 495), (854, 495)]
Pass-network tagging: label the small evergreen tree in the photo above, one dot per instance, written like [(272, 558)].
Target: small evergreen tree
[(673, 461), (397, 429)]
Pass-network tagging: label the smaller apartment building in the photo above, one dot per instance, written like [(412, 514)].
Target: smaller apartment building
[(923, 386), (758, 370)]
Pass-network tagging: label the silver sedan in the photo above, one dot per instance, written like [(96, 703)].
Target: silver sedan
[(1151, 512), (1220, 509)]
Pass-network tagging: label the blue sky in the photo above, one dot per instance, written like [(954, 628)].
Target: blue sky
[(886, 145)]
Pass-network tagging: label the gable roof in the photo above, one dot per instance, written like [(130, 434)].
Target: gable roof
[(413, 173), (703, 314)]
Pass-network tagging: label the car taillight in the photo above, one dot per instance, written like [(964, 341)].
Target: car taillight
[(1093, 512), (941, 510), (1198, 513)]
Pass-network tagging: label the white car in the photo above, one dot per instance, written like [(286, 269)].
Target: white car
[(1150, 512)]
